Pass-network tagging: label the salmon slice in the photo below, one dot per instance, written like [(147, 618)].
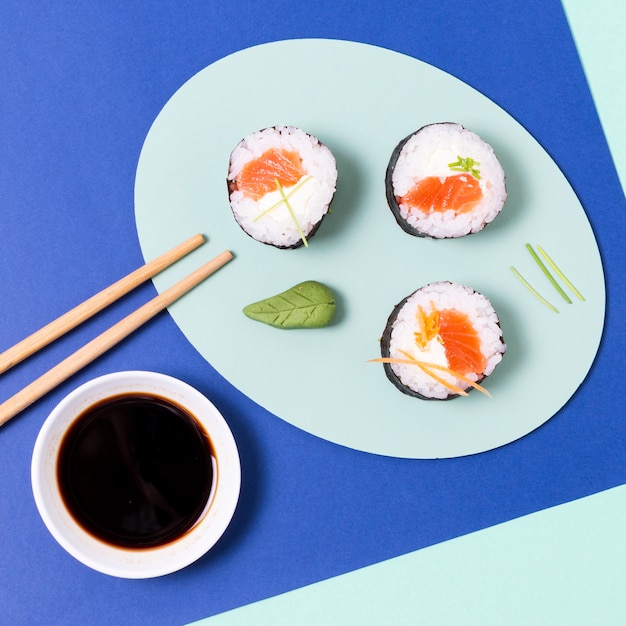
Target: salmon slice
[(258, 177), (460, 192), (461, 342)]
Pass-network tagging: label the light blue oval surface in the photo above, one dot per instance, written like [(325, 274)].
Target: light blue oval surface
[(360, 100)]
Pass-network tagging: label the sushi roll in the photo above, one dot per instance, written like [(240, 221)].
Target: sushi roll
[(281, 181), (441, 341), (444, 181)]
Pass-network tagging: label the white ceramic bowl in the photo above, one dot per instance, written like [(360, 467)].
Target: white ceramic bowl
[(121, 562)]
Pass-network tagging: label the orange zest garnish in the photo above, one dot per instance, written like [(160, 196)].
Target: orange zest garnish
[(428, 324), (427, 369)]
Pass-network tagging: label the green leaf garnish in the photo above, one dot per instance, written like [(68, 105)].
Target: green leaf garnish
[(466, 164), (306, 305)]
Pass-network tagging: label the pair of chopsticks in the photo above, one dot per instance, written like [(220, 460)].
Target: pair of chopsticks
[(109, 338)]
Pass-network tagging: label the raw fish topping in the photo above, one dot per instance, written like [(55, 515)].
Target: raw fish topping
[(461, 342), (459, 192), (454, 330), (258, 177)]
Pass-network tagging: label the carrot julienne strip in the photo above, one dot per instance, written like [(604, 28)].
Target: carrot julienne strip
[(427, 367), (545, 270), (424, 368), (532, 290), (441, 381), (448, 370), (562, 276)]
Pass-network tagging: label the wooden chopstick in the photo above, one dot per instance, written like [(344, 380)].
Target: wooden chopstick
[(109, 338), (66, 322)]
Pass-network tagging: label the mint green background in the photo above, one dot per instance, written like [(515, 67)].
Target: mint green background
[(561, 567), (361, 253), (564, 565), (599, 29)]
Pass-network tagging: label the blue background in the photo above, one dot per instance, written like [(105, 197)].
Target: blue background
[(81, 84)]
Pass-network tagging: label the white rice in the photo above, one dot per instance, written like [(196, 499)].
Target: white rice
[(443, 295), (310, 200), (428, 153)]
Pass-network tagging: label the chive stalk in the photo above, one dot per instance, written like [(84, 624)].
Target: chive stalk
[(293, 215), (466, 164), (545, 270), (532, 290), (277, 204), (562, 276)]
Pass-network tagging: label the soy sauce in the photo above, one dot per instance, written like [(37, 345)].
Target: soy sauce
[(135, 470)]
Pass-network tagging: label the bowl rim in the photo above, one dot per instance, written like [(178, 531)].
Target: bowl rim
[(118, 561)]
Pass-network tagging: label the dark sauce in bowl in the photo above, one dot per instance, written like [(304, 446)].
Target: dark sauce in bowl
[(135, 470)]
